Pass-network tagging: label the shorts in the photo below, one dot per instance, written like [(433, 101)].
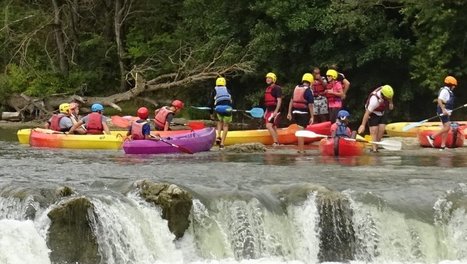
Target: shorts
[(224, 118), (376, 120), (302, 120), (268, 119), (320, 106)]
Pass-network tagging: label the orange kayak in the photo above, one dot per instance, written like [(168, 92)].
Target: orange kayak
[(340, 147), (454, 140)]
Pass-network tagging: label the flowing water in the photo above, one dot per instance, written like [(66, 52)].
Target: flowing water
[(273, 207)]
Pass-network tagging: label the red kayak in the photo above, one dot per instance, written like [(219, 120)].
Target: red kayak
[(340, 147), (454, 140), (323, 128)]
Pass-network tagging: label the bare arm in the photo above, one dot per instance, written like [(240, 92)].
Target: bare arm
[(289, 112), (106, 128), (311, 109), (278, 106), (75, 126), (365, 118)]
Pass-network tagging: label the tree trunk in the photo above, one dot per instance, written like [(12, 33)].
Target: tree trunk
[(121, 11), (11, 116), (62, 58)]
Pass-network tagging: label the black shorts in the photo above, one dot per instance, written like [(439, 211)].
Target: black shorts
[(376, 120), (301, 119)]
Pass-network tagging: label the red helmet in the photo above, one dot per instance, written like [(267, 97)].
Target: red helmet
[(143, 113), (177, 103)]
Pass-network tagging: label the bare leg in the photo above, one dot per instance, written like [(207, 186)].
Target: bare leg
[(301, 145), (225, 129), (381, 128), (444, 133), (273, 132), (374, 136)]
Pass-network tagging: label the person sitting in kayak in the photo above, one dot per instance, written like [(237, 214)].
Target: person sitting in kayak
[(140, 129), (221, 101), (339, 128), (164, 115), (74, 115), (95, 122), (62, 121)]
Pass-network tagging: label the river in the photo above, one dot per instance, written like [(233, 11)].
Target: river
[(273, 207)]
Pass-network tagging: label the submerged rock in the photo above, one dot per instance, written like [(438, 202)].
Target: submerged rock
[(71, 238), (246, 148), (174, 201)]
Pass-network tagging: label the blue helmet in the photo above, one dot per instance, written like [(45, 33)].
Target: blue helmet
[(97, 108), (343, 114)]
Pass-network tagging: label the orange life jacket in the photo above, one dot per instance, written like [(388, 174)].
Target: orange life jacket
[(161, 117), (298, 99), (137, 130), (94, 124), (270, 100), (55, 122), (332, 98)]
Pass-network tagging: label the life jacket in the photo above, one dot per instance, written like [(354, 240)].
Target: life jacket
[(450, 103), (94, 124), (137, 130), (161, 117), (342, 130), (332, 98), (221, 94), (55, 122), (383, 104), (270, 100), (318, 87), (298, 99)]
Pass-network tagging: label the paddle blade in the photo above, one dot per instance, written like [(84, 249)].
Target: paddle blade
[(390, 144), (201, 107), (196, 124), (256, 112), (119, 121), (308, 134), (413, 125)]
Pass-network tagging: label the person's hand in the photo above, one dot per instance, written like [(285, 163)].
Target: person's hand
[(289, 116), (361, 129), (311, 120), (391, 105), (445, 112), (212, 117)]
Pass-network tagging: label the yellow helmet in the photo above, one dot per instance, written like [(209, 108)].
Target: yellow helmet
[(64, 108), (272, 76), (387, 91), (332, 73), (308, 77), (221, 81), (449, 80)]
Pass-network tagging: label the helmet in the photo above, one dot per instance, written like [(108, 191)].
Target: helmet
[(177, 103), (97, 107), (272, 76), (142, 113), (73, 106), (387, 91), (343, 114), (308, 77), (220, 81), (332, 73), (449, 80), (64, 108)]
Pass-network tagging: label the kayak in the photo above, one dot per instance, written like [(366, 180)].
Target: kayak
[(195, 141), (40, 137), (395, 129), (323, 128), (286, 136), (24, 134), (453, 140), (343, 147)]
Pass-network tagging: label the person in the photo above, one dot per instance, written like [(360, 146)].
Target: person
[(344, 81), (445, 104), (272, 101), (221, 96), (164, 115), (334, 94), (340, 127), (60, 122), (301, 103), (140, 129), (320, 109), (74, 115), (95, 122), (376, 105)]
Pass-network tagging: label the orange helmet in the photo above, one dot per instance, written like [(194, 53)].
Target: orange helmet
[(177, 103), (449, 80), (143, 113)]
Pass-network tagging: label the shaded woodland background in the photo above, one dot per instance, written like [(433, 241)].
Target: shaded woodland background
[(149, 51)]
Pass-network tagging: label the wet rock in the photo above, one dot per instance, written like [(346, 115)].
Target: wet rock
[(175, 202), (64, 191), (246, 148), (70, 238)]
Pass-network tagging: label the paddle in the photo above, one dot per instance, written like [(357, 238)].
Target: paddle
[(386, 144), (182, 149), (122, 122), (255, 112), (416, 124)]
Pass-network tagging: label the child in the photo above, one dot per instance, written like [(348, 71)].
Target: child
[(165, 114), (339, 128), (140, 129), (221, 97)]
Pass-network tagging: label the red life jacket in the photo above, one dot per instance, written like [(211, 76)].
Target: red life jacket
[(298, 99), (137, 130), (94, 124), (332, 98), (55, 122), (318, 88), (270, 100), (161, 117), (383, 104)]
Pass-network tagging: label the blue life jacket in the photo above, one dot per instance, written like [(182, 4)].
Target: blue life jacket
[(341, 130), (450, 103), (221, 94)]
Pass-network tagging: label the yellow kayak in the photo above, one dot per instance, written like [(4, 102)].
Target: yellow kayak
[(395, 129), (286, 136), (23, 134)]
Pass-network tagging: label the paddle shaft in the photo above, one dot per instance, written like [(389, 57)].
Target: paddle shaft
[(182, 149), (410, 126)]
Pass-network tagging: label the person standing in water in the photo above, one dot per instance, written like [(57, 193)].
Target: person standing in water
[(273, 102)]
